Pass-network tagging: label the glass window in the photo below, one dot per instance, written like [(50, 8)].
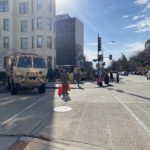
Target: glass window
[(32, 42), (40, 42), (6, 42), (6, 24), (49, 24), (49, 42), (38, 62), (24, 43), (25, 62), (49, 5), (24, 26), (39, 23), (3, 6), (39, 4), (23, 8)]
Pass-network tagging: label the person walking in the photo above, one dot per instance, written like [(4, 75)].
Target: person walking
[(64, 81)]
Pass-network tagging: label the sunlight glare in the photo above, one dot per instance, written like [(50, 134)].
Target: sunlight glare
[(62, 4)]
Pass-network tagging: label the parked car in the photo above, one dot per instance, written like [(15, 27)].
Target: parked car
[(148, 75), (124, 73)]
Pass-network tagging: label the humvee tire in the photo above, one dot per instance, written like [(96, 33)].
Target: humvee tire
[(42, 89)]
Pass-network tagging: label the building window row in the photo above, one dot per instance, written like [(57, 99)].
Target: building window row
[(40, 24), (24, 42), (24, 24), (23, 8), (4, 6)]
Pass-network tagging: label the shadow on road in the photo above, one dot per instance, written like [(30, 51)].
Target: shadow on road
[(121, 91), (66, 98), (31, 119), (105, 86), (3, 90)]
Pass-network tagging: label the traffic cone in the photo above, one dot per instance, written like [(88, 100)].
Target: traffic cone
[(68, 87), (60, 90)]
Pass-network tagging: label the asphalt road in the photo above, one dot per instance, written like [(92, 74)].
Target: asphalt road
[(114, 117)]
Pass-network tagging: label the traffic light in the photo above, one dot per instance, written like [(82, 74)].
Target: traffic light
[(100, 57), (99, 44), (110, 57)]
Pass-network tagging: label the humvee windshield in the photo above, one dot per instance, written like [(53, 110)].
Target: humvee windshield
[(38, 62), (26, 62)]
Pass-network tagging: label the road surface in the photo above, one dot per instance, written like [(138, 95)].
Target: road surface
[(115, 117)]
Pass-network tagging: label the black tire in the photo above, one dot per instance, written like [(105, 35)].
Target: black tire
[(42, 89), (14, 90)]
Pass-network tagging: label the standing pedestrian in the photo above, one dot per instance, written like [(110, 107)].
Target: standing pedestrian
[(111, 77), (92, 77), (117, 77), (78, 78), (106, 77)]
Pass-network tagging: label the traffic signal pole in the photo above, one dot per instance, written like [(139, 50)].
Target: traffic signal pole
[(98, 55), (99, 58)]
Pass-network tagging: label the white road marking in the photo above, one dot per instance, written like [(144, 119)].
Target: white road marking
[(18, 114), (147, 130), (62, 109)]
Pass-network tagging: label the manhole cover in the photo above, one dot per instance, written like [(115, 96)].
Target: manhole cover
[(62, 109)]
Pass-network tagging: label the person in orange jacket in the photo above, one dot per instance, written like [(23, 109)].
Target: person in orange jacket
[(64, 81)]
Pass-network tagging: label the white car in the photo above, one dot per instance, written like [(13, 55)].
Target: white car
[(148, 75)]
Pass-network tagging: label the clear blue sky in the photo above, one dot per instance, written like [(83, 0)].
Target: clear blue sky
[(125, 21)]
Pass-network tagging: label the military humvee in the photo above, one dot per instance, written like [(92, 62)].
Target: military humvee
[(25, 71)]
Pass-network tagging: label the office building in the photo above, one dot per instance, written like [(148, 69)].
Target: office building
[(28, 26), (69, 40)]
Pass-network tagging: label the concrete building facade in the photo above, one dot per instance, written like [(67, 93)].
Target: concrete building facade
[(69, 40), (28, 26)]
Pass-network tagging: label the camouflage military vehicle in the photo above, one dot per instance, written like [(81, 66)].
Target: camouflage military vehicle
[(25, 71)]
